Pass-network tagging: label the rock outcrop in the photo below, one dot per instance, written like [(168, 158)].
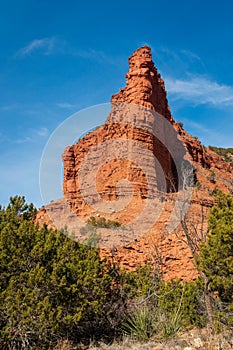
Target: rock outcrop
[(127, 121), (144, 85), (135, 158)]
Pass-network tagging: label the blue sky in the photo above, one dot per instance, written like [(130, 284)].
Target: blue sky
[(58, 58)]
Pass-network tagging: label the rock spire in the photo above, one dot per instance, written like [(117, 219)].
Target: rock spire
[(144, 85)]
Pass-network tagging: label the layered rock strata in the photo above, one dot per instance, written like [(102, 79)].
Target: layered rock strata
[(134, 122), (131, 157)]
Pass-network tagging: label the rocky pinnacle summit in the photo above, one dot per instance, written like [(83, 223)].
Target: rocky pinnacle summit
[(144, 85)]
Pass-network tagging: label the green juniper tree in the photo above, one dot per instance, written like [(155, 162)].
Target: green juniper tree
[(216, 256), (52, 287)]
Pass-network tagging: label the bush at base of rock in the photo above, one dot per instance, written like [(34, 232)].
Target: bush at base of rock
[(53, 288)]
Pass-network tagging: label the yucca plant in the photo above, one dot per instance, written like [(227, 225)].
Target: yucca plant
[(140, 323)]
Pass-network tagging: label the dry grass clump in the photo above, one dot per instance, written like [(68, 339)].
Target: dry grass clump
[(65, 345), (192, 340)]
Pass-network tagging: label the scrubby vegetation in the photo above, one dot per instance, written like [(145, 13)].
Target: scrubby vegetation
[(226, 153), (51, 286), (102, 222), (216, 256), (90, 229), (54, 290)]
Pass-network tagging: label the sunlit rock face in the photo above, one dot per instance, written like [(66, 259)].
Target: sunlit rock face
[(131, 145), (130, 170)]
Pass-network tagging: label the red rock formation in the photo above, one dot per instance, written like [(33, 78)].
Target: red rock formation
[(144, 85), (134, 131), (125, 122)]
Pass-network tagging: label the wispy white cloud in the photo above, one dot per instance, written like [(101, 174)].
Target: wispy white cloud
[(174, 59), (54, 45), (184, 56), (96, 55), (42, 132), (178, 62), (45, 46), (202, 129), (191, 55), (197, 89), (208, 133), (30, 136), (65, 105), (26, 139), (187, 79)]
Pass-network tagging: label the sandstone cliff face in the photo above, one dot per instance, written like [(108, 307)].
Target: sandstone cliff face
[(125, 122), (130, 161)]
